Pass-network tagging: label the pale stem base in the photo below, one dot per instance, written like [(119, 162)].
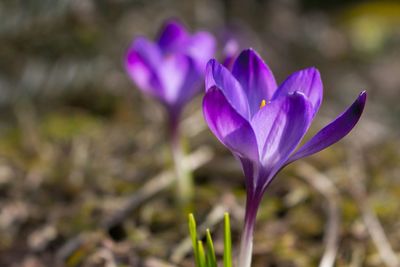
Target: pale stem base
[(182, 171), (183, 174), (246, 248), (246, 245)]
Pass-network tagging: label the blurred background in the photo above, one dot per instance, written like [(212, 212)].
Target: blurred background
[(83, 158)]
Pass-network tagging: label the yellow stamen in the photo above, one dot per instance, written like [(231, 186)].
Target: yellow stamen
[(263, 103)]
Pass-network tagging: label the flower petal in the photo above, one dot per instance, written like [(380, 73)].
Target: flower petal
[(201, 47), (307, 81), (173, 71), (228, 125), (172, 37), (256, 78), (141, 64), (334, 131), (280, 126), (147, 50), (217, 75), (192, 83)]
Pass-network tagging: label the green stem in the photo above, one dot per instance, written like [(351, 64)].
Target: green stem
[(182, 171)]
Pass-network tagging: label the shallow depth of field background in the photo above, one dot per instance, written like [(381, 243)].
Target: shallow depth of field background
[(78, 141)]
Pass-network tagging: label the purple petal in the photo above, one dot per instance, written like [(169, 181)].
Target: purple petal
[(334, 131), (192, 83), (228, 125), (307, 81), (173, 71), (217, 75), (141, 64), (280, 126), (201, 47), (172, 37), (147, 50), (256, 78)]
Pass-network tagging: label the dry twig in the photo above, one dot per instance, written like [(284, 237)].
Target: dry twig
[(371, 221), (324, 185)]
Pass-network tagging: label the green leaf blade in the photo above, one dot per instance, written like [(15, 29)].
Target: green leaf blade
[(202, 255), (211, 258), (227, 241), (193, 237)]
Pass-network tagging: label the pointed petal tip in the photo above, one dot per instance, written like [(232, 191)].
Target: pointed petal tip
[(314, 70), (359, 104), (362, 98), (209, 73), (175, 22), (249, 52), (210, 65), (363, 95), (297, 93), (300, 95), (211, 62), (214, 66), (311, 71), (172, 35)]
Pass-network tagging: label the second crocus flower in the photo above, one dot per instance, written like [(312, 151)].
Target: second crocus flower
[(171, 70)]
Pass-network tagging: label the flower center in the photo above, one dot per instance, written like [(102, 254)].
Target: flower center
[(263, 103)]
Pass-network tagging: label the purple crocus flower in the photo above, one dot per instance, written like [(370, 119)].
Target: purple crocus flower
[(171, 68), (262, 123)]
